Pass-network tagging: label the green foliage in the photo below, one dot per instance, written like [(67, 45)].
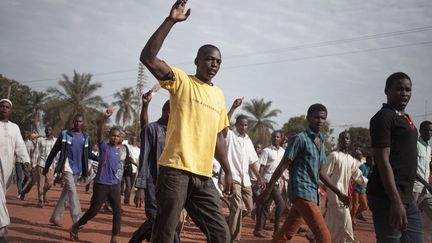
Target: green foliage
[(74, 96), (24, 103), (127, 106), (294, 126), (360, 137), (260, 122)]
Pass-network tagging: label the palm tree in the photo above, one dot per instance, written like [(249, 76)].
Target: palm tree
[(36, 104), (76, 95), (127, 103), (260, 123)]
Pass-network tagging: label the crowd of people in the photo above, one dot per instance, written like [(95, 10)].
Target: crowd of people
[(190, 157)]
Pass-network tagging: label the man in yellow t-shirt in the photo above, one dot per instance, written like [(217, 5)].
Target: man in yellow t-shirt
[(195, 135)]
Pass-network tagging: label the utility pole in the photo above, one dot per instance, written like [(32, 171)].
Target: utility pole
[(9, 91)]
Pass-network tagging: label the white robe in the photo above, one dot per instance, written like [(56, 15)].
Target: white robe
[(341, 167), (11, 144)]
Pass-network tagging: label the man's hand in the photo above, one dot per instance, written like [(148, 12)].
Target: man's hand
[(429, 188), (108, 112), (344, 199), (177, 13), (58, 178), (398, 218), (261, 184), (147, 97), (237, 102), (27, 167), (228, 190), (263, 196), (139, 198)]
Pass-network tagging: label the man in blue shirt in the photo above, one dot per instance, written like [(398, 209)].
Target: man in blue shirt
[(74, 147), (305, 156), (107, 181)]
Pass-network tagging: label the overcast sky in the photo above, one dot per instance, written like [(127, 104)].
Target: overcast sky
[(294, 53)]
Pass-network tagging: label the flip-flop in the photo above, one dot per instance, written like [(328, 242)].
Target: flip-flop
[(73, 235)]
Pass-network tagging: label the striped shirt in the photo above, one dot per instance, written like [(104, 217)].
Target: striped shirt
[(306, 163)]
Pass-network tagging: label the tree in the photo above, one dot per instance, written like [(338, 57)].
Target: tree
[(294, 126), (297, 124), (260, 123), (35, 107), (73, 96), (360, 137), (127, 104), (20, 96)]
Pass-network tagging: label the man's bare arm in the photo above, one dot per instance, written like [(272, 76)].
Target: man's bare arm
[(327, 181), (102, 122), (221, 156), (398, 218), (424, 182), (149, 58), (283, 165), (146, 98)]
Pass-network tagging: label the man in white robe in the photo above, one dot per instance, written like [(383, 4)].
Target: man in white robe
[(11, 144), (341, 167)]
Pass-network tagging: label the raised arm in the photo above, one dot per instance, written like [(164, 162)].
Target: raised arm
[(146, 98), (237, 102), (156, 66), (221, 156), (398, 218), (101, 125)]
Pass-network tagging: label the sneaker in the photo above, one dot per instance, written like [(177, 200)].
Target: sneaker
[(260, 234)]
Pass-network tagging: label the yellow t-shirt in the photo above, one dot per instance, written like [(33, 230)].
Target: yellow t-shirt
[(197, 114)]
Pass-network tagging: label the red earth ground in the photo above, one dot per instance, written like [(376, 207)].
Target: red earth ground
[(30, 223)]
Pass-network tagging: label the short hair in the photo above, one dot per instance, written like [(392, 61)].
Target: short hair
[(115, 129), (78, 115), (276, 131), (205, 48), (241, 117), (166, 106), (342, 134), (316, 107), (424, 124), (395, 77)]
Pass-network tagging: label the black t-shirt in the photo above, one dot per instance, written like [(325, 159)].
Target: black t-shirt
[(389, 128)]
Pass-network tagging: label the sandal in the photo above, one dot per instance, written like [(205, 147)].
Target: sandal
[(73, 234)]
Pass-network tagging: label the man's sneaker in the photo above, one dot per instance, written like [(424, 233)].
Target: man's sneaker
[(260, 234)]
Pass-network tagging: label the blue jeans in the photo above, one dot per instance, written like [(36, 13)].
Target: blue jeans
[(380, 208), (177, 189)]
